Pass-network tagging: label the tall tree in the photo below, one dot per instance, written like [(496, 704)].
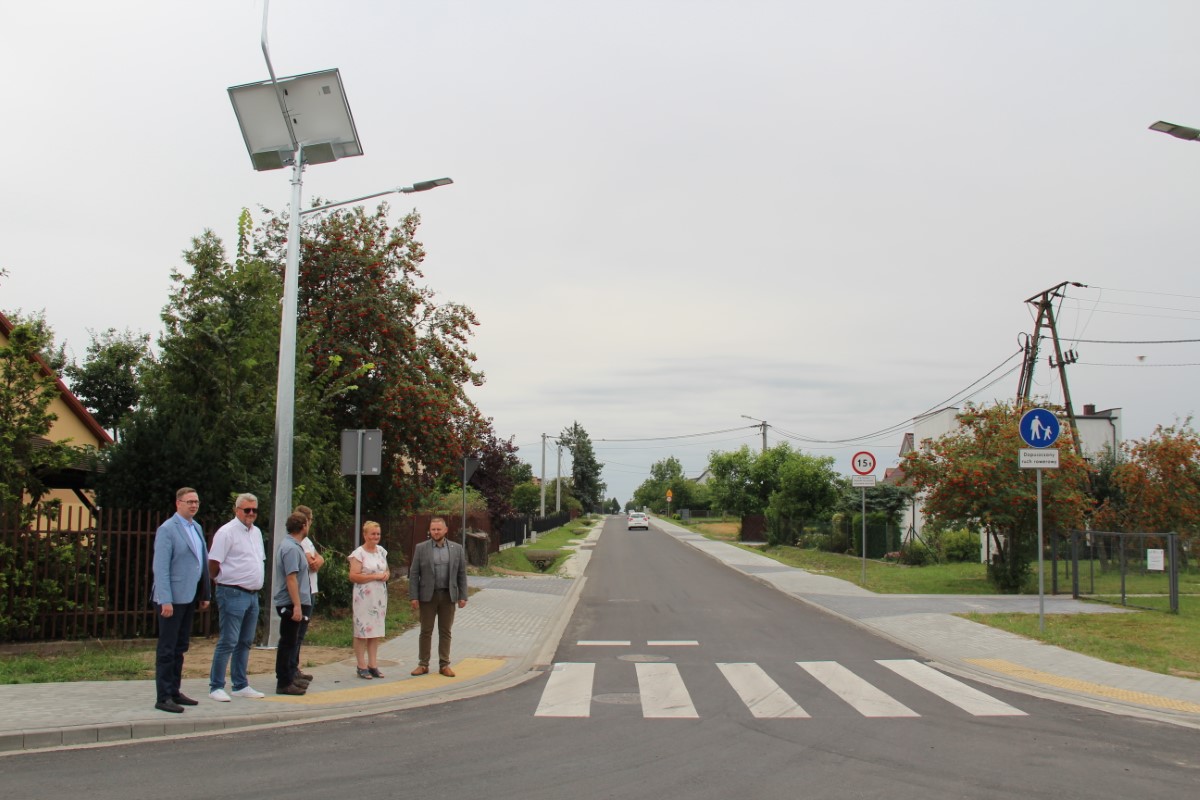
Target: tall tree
[(585, 469), (370, 321), (208, 412), (493, 478), (667, 475), (108, 381), (971, 478), (808, 486), (27, 455), (1154, 486)]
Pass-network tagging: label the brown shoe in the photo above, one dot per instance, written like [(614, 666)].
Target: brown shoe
[(420, 670), (449, 673)]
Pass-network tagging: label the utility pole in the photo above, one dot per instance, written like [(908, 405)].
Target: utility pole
[(543, 508), (558, 483), (762, 423), (1044, 303)]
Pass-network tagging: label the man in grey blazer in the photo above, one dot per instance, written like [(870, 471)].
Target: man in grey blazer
[(437, 584), (180, 585)]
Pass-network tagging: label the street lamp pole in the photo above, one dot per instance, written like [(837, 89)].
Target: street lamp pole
[(285, 385)]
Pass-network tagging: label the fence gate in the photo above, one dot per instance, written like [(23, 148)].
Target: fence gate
[(1140, 570)]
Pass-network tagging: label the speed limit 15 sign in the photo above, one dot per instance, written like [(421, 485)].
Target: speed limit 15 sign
[(863, 463)]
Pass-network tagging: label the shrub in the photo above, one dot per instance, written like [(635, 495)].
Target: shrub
[(334, 581), (915, 554), (961, 546)]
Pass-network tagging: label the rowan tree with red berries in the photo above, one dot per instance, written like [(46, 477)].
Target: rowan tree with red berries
[(364, 305), (971, 478)]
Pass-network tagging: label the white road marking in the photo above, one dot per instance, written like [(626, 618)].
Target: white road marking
[(663, 694), (761, 695), (862, 696), (602, 643), (672, 643), (568, 692), (965, 697)]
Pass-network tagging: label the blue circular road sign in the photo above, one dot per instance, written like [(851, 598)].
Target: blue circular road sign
[(1039, 427)]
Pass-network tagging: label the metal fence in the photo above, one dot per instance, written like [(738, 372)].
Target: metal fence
[(80, 575), (85, 575), (1139, 570)]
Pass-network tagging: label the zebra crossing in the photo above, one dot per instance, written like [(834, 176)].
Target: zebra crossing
[(664, 695)]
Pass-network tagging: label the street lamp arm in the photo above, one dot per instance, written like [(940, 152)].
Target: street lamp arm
[(419, 186), (1178, 131)]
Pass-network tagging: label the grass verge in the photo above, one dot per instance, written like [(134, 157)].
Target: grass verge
[(512, 559), (1151, 640), (336, 628)]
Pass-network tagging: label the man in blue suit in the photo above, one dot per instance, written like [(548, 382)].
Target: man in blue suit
[(181, 584)]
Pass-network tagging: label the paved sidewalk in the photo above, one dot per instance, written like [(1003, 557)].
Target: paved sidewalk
[(507, 630), (514, 625)]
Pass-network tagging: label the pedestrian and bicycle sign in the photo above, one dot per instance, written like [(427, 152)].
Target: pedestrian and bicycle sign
[(1039, 428)]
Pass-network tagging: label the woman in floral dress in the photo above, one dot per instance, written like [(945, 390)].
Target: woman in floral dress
[(369, 574)]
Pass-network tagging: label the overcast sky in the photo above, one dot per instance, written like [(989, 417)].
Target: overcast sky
[(666, 213)]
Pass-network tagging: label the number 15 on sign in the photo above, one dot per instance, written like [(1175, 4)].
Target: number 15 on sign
[(863, 463)]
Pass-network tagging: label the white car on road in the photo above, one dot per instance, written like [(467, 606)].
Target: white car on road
[(637, 520)]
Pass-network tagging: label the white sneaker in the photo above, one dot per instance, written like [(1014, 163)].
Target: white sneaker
[(219, 695), (247, 691)]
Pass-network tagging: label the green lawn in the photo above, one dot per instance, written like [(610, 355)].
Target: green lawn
[(336, 628), (95, 662), (1150, 640)]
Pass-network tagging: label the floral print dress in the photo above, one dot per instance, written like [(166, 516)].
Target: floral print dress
[(370, 599)]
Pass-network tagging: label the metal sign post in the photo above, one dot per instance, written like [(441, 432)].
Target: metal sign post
[(863, 464), (362, 454), (470, 464), (1039, 429)]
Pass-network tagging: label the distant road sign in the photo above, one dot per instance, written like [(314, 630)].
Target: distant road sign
[(1039, 427), (863, 463)]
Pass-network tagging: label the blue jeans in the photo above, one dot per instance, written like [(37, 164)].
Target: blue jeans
[(239, 621)]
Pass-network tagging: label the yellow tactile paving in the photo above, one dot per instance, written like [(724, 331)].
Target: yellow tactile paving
[(376, 690), (1076, 685)]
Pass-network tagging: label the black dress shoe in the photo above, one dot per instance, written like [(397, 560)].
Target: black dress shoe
[(169, 705), (184, 700)]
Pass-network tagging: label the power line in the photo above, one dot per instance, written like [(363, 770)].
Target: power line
[(960, 394), (1136, 341), (681, 436), (1096, 364), (1144, 291)]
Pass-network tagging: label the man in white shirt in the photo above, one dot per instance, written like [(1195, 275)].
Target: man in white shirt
[(236, 563)]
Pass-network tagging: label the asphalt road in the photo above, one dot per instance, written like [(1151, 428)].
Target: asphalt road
[(657, 683)]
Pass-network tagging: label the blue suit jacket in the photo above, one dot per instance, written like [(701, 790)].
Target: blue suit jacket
[(178, 576)]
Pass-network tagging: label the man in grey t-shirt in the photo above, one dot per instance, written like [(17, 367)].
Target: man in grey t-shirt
[(293, 602)]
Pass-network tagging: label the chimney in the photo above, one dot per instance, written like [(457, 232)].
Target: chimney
[(1089, 410)]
